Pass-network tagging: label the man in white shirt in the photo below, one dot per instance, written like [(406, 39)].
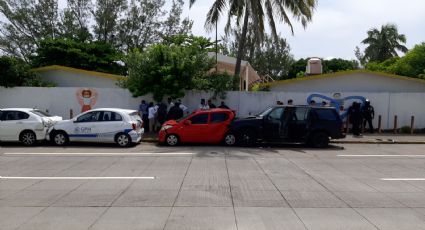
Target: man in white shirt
[(183, 107), (151, 116), (203, 105)]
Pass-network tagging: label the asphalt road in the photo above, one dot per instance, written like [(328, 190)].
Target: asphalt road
[(196, 187)]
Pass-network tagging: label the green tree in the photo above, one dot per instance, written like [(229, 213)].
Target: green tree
[(338, 64), (96, 56), (297, 67), (168, 69), (257, 11), (15, 72), (383, 44), (75, 18), (140, 27), (173, 24), (269, 58), (28, 22), (106, 15)]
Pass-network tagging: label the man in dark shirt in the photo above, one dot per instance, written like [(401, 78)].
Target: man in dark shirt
[(175, 112), (211, 105), (223, 105)]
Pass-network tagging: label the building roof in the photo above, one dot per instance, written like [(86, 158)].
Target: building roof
[(226, 59), (79, 71), (340, 74)]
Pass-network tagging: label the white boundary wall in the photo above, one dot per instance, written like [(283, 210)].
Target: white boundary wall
[(59, 101)]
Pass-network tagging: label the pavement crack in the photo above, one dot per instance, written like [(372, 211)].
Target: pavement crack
[(230, 187)]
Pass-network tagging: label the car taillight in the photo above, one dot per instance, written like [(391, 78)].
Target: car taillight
[(134, 126)]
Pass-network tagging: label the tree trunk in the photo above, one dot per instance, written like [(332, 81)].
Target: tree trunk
[(241, 45)]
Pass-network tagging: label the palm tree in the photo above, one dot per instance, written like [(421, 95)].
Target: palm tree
[(256, 11), (383, 44)]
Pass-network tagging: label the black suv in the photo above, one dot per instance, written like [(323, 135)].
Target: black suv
[(311, 125)]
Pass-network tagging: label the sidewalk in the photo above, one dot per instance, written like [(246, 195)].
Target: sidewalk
[(383, 138)]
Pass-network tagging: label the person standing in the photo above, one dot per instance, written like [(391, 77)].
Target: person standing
[(355, 115), (211, 105), (290, 102), (175, 112), (143, 112), (368, 113), (162, 113), (151, 116), (170, 104), (223, 105), (182, 106), (203, 105)]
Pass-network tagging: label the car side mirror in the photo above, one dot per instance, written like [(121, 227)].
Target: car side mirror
[(187, 122)]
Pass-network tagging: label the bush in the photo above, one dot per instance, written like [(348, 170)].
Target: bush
[(15, 72), (405, 130)]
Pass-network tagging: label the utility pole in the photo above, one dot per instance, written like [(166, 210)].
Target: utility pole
[(216, 42)]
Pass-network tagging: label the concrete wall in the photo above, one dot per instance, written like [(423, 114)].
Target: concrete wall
[(59, 101), (70, 79), (354, 82)]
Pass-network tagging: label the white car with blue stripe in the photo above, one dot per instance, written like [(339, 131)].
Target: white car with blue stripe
[(122, 126)]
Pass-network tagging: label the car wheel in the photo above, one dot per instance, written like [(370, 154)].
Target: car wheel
[(319, 140), (28, 138), (60, 138), (172, 140), (123, 140), (247, 138), (230, 139)]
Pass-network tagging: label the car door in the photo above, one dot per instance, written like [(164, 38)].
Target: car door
[(85, 127), (11, 124), (218, 126), (196, 131), (272, 124), (297, 126), (109, 124)]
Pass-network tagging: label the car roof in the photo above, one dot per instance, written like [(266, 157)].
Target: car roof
[(18, 109), (214, 110), (306, 106), (115, 110)]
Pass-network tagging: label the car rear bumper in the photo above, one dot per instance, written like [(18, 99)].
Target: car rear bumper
[(136, 136)]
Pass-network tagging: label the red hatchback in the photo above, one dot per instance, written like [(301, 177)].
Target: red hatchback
[(202, 126)]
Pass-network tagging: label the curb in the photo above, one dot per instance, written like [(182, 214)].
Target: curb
[(155, 140)]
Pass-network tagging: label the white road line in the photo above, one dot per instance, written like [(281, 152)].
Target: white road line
[(74, 178), (403, 179), (102, 154), (342, 155)]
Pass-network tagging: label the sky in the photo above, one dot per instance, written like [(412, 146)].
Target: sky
[(338, 26)]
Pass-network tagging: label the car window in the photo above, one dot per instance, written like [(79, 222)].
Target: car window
[(301, 114), (199, 119), (14, 115), (89, 117), (326, 115), (219, 117), (111, 116), (276, 114)]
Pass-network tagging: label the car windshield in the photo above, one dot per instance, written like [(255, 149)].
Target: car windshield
[(265, 112), (40, 113)]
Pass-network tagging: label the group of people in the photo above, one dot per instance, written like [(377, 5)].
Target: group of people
[(154, 115), (361, 115)]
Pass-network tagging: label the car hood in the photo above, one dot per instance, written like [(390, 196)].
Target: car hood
[(62, 123), (170, 122), (51, 120)]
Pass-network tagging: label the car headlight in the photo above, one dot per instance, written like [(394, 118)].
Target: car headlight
[(165, 127)]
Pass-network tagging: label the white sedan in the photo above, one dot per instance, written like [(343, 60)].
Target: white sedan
[(121, 126), (25, 125)]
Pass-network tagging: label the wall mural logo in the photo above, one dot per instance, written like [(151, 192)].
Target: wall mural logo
[(87, 98), (340, 103)]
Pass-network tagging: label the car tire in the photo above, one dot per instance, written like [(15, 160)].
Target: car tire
[(60, 138), (319, 140), (229, 139), (172, 140), (247, 138), (28, 138), (123, 140)]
